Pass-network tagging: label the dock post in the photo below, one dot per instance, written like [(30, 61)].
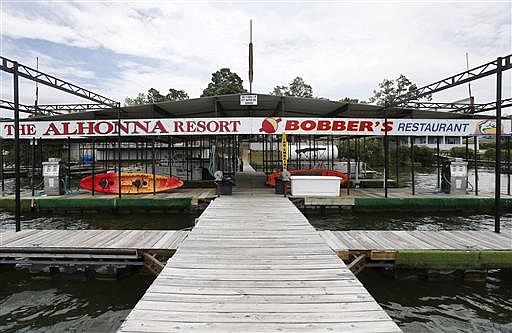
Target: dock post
[(119, 149), (413, 188), (386, 151), (17, 197), (438, 152), (475, 147), (33, 157), (93, 164), (357, 159), (397, 161), (169, 153), (2, 165), (497, 185), (332, 152), (69, 165), (153, 165), (348, 166), (508, 165), (467, 158)]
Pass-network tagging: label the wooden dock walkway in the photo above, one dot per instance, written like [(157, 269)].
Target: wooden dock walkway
[(48, 240), (396, 240), (255, 264)]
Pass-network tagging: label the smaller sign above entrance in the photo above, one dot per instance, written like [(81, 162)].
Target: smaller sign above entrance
[(248, 99)]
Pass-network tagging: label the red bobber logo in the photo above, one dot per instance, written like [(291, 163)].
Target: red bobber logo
[(269, 125)]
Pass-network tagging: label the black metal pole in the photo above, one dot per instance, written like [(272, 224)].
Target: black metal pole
[(33, 190), (412, 166), (2, 164), (153, 165), (93, 164), (169, 147), (41, 158), (119, 150), (438, 151), (508, 165), (475, 147), (349, 170), (17, 197), (69, 164), (356, 143), (467, 157), (397, 161), (386, 151), (497, 185)]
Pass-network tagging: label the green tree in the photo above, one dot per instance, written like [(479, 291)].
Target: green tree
[(154, 96), (352, 100), (140, 99), (224, 82), (176, 95), (390, 90), (297, 88)]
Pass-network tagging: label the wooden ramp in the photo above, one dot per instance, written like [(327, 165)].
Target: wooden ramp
[(255, 264)]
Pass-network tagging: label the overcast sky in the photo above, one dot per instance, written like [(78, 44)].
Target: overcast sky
[(342, 49)]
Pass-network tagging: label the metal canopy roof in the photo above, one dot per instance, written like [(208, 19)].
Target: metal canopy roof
[(268, 105)]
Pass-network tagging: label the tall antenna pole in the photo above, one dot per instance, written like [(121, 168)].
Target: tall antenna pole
[(250, 58), (469, 83)]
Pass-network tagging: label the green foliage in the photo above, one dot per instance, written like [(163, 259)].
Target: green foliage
[(224, 82), (154, 96), (424, 155), (389, 90), (371, 151), (297, 88), (176, 95), (460, 152), (490, 155), (352, 100)]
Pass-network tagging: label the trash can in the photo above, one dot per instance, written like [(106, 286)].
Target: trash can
[(224, 187)]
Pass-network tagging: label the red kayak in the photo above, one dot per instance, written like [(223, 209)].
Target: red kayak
[(131, 183), (271, 178)]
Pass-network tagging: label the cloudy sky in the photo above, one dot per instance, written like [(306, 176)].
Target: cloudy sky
[(341, 48)]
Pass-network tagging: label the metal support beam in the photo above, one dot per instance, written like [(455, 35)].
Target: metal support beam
[(26, 72), (497, 172), (413, 185), (119, 150), (93, 166), (17, 197), (476, 73), (386, 151)]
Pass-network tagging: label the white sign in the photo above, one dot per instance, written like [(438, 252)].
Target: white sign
[(248, 99), (247, 125)]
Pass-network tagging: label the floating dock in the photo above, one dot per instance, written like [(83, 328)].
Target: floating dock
[(261, 270), (267, 271), (199, 198)]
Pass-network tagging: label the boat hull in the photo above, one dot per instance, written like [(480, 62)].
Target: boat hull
[(131, 183), (271, 178)]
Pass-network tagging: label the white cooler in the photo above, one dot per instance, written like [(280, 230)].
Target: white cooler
[(320, 186)]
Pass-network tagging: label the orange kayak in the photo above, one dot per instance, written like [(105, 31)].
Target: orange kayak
[(131, 183), (271, 178)]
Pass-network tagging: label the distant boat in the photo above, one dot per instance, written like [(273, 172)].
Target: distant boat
[(271, 178), (131, 183)]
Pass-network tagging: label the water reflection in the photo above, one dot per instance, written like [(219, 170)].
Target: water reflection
[(66, 305)]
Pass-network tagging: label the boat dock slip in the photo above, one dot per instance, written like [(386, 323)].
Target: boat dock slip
[(255, 264)]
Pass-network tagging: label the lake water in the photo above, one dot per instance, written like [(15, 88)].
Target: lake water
[(75, 305)]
